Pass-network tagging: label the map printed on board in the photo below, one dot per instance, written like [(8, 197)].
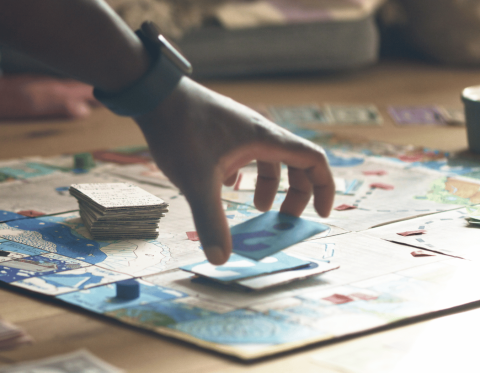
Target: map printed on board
[(377, 282)]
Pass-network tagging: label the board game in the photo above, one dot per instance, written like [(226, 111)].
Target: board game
[(398, 247)]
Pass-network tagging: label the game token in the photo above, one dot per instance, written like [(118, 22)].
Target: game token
[(83, 161), (128, 289)]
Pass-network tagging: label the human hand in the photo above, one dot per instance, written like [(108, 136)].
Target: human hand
[(200, 139), (33, 96)]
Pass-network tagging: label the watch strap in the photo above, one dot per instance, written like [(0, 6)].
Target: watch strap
[(147, 92)]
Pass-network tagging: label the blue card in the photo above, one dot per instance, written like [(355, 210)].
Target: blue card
[(271, 232), (239, 267)]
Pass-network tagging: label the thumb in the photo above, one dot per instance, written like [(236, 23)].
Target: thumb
[(210, 221)]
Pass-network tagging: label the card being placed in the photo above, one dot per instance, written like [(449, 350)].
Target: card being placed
[(239, 267), (315, 268), (271, 232)]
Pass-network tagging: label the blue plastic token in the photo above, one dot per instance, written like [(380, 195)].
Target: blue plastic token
[(128, 289)]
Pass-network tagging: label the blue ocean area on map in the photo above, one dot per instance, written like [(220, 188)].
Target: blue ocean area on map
[(67, 241), (157, 314), (450, 167), (271, 232), (337, 161), (34, 266), (30, 169), (103, 298), (243, 327), (73, 280), (16, 247), (8, 215)]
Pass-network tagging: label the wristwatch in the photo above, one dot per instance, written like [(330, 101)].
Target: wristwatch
[(168, 67)]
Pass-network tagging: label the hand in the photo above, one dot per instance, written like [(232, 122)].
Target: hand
[(200, 139), (31, 96)]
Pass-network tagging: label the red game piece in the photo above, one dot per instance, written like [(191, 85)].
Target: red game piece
[(30, 213), (345, 207), (193, 236), (412, 233), (420, 253), (375, 172), (382, 186), (338, 299)]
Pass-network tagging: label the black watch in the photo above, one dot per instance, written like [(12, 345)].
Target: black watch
[(168, 67)]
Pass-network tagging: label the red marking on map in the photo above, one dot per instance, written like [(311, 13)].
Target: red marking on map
[(411, 158), (420, 253), (362, 296), (338, 299), (30, 213), (345, 207), (237, 183), (382, 186), (412, 233), (193, 236), (375, 172)]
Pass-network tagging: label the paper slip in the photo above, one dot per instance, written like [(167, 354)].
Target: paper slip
[(315, 268), (271, 232), (355, 114), (298, 114), (239, 267), (11, 336), (75, 362), (414, 115), (113, 211)]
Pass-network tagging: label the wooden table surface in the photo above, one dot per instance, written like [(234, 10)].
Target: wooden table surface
[(58, 329)]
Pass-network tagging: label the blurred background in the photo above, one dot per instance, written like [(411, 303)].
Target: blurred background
[(258, 39)]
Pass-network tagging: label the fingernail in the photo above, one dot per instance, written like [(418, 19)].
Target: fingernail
[(216, 255)]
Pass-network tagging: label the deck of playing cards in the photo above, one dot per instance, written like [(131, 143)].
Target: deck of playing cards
[(114, 211)]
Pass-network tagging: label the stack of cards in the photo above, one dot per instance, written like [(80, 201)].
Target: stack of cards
[(257, 263), (114, 211), (473, 215)]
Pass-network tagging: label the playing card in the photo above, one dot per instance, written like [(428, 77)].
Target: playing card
[(271, 232), (239, 267)]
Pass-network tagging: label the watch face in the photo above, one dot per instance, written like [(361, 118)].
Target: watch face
[(175, 56), (152, 32)]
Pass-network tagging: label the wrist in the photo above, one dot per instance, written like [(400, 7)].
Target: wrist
[(128, 69), (156, 84)]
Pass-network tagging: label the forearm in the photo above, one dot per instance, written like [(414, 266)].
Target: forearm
[(83, 38)]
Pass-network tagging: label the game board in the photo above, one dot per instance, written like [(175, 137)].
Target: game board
[(45, 249)]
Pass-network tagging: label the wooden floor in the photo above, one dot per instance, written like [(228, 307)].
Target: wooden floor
[(58, 329)]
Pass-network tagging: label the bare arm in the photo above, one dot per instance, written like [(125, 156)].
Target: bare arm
[(83, 38), (197, 137)]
